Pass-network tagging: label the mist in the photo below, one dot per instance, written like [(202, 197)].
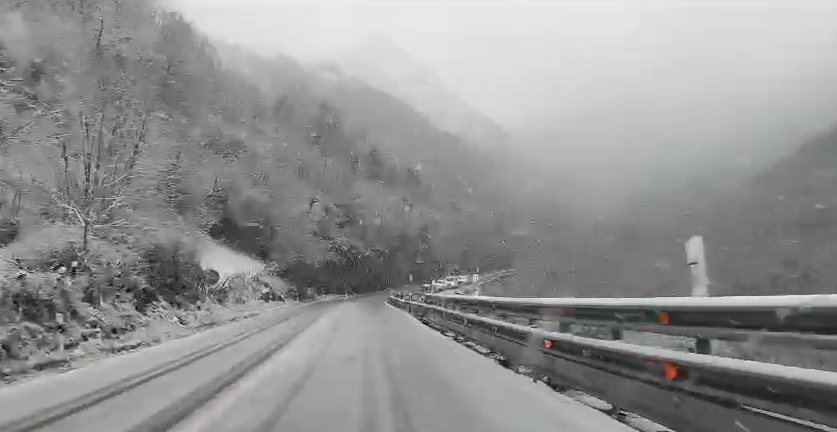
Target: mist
[(616, 97)]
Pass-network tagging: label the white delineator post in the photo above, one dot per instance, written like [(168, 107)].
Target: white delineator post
[(696, 260)]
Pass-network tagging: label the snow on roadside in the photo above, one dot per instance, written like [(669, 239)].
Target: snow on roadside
[(161, 324), (225, 260)]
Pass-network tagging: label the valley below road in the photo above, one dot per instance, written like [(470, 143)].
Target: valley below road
[(356, 365)]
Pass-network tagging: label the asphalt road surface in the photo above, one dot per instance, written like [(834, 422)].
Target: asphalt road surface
[(335, 366)]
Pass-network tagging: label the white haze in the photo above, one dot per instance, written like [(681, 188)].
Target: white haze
[(622, 95)]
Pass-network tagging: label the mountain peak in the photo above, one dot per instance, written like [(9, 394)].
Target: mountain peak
[(382, 63), (383, 44)]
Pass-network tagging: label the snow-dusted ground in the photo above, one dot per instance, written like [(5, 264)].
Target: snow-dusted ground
[(225, 260)]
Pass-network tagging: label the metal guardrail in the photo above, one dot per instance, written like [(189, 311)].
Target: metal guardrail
[(495, 276), (500, 273), (806, 397), (809, 320)]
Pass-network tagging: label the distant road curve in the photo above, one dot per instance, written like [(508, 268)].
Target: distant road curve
[(355, 365), (474, 288)]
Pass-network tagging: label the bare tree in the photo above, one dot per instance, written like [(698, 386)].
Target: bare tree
[(89, 219)]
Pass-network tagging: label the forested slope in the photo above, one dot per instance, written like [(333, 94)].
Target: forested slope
[(125, 134)]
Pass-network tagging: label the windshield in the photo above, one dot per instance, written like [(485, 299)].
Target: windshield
[(354, 215)]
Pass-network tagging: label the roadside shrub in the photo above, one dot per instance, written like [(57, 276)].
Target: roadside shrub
[(9, 231), (276, 288), (232, 289), (306, 280), (39, 248), (116, 268), (66, 258), (300, 293), (21, 341), (172, 273), (115, 319), (108, 271), (241, 288), (39, 297)]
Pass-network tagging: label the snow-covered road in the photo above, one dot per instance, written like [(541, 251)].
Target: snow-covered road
[(367, 367), (337, 366)]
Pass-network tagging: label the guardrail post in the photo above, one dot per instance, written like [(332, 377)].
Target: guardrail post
[(696, 260)]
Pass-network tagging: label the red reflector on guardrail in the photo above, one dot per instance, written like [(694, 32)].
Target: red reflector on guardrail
[(547, 343), (672, 372)]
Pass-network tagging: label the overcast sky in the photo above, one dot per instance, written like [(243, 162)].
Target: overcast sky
[(697, 76), (535, 50)]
